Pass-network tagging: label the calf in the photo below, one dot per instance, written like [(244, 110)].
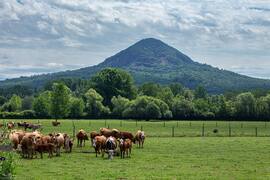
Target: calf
[(125, 146), (48, 147)]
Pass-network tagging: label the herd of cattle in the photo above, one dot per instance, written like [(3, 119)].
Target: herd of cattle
[(110, 141)]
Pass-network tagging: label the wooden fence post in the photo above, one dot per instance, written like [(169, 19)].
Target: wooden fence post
[(173, 131), (256, 131), (203, 130), (164, 124), (230, 130), (73, 129)]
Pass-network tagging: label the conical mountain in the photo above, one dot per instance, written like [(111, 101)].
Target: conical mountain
[(151, 60)]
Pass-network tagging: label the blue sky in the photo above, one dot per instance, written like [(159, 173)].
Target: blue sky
[(39, 36)]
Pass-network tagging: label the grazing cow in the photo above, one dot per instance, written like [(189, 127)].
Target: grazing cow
[(34, 127), (11, 125), (127, 135), (125, 146), (25, 125), (58, 140), (109, 132), (68, 143), (81, 138), (110, 146), (99, 144), (93, 134), (41, 148), (139, 138), (55, 123), (28, 146)]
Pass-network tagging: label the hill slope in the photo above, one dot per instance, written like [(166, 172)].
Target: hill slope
[(151, 60)]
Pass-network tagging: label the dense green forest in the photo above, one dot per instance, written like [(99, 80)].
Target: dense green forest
[(111, 93)]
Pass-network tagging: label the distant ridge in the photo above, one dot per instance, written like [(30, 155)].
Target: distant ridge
[(151, 60)]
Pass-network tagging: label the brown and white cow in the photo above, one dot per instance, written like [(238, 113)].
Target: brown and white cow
[(140, 138), (99, 144), (93, 134), (125, 146), (58, 141), (81, 138)]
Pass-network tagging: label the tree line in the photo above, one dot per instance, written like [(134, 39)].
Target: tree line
[(111, 93)]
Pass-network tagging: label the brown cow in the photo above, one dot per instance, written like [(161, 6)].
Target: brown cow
[(93, 134), (55, 123), (81, 137), (28, 146), (125, 146), (58, 141), (41, 148), (109, 132), (99, 144), (140, 138), (127, 135)]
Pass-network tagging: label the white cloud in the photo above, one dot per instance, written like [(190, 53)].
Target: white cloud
[(216, 32)]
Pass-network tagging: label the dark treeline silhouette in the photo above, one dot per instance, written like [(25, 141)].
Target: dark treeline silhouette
[(111, 93)]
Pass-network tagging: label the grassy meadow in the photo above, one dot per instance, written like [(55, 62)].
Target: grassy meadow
[(185, 156)]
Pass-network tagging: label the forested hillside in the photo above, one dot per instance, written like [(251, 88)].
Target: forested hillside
[(151, 60)]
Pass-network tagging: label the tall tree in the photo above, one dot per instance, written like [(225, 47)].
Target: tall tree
[(60, 100), (76, 107), (94, 106), (42, 104), (245, 105), (113, 82)]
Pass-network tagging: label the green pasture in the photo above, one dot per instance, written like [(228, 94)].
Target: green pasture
[(184, 156), (163, 128)]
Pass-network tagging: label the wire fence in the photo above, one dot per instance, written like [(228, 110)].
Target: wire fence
[(163, 128)]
